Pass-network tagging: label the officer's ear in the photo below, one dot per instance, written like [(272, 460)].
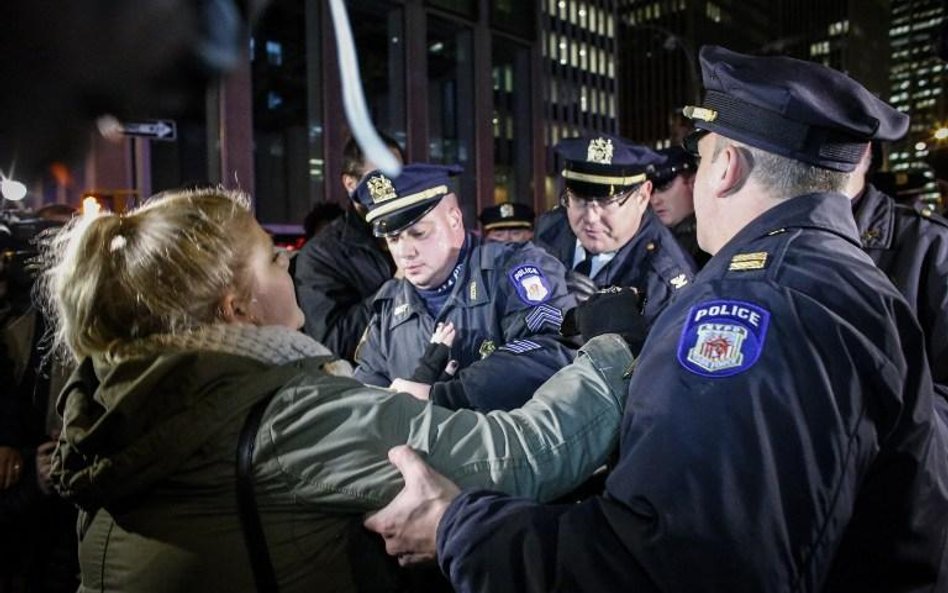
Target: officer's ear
[(644, 194), (454, 211), (730, 170)]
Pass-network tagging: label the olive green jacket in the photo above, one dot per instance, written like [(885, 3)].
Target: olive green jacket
[(149, 442)]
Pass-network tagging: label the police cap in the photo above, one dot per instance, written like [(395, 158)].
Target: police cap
[(676, 161), (601, 166), (800, 110), (507, 216), (395, 204)]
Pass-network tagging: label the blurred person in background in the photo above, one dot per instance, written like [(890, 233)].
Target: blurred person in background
[(672, 199), (38, 541), (507, 223), (338, 272)]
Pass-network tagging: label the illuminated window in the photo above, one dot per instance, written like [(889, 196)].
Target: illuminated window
[(274, 53)]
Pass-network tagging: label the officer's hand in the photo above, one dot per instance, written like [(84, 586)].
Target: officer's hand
[(612, 310), (409, 524), (436, 364), (11, 465), (580, 286)]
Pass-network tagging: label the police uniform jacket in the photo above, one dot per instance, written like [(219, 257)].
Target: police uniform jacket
[(911, 246), (778, 437), (507, 340), (336, 274), (653, 261)]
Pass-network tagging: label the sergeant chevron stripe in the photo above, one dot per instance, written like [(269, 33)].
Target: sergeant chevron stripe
[(544, 315)]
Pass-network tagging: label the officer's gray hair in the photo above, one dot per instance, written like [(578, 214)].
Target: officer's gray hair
[(785, 177), (162, 268)]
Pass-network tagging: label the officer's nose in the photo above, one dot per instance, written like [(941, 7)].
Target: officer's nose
[(591, 214), (403, 250)]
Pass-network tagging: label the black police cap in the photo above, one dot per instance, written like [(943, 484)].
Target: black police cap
[(800, 110), (507, 216), (601, 166), (395, 204), (676, 161)]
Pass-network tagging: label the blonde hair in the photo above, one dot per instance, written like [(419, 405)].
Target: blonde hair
[(163, 268)]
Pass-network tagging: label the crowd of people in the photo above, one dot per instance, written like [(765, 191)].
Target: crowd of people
[(721, 366)]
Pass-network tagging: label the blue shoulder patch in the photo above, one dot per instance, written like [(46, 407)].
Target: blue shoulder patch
[(532, 286), (722, 338), (520, 346)]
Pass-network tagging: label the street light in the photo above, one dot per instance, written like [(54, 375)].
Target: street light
[(12, 190)]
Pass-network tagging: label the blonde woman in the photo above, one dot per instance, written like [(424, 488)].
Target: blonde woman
[(181, 316)]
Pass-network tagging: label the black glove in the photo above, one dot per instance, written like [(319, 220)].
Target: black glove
[(612, 310), (580, 286), (431, 367)]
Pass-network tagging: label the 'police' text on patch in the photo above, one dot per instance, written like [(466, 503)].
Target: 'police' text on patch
[(722, 338), (532, 286)]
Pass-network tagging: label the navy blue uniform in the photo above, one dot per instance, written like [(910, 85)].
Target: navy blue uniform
[(778, 437), (337, 273), (653, 261), (506, 305), (911, 246)]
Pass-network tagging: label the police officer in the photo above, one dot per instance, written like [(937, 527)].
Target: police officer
[(603, 230), (507, 223), (909, 244), (339, 270), (672, 201), (505, 300), (779, 433)]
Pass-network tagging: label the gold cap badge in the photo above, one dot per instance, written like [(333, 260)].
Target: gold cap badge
[(702, 113), (506, 210), (600, 151), (381, 189)]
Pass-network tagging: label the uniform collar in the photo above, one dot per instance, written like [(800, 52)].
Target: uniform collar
[(875, 220), (830, 212)]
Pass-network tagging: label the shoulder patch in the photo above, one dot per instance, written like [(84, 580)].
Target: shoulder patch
[(542, 315), (748, 261), (520, 346), (532, 286), (722, 338)]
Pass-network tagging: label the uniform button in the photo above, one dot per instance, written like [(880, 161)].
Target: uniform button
[(650, 246)]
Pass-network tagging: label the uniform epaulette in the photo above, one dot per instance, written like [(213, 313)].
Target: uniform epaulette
[(928, 213)]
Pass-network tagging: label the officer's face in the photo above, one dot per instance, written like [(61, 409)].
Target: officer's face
[(509, 235), (427, 251), (272, 295), (606, 225), (673, 204), (704, 195)]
